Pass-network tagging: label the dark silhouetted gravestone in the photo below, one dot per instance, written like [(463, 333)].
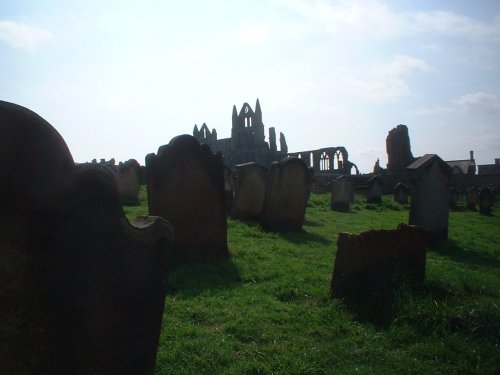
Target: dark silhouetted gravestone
[(287, 192), (401, 193), (250, 182), (374, 192), (378, 259), (454, 197), (486, 200), (471, 197), (430, 195), (342, 194), (128, 181), (82, 290), (185, 184)]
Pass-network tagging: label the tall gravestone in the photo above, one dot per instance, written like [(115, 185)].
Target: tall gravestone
[(287, 192), (430, 194), (82, 290), (454, 197), (375, 188), (250, 182), (401, 193), (471, 197), (128, 180), (185, 183), (486, 200), (342, 194)]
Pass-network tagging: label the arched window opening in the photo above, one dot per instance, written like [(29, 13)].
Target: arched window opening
[(324, 162), (311, 160)]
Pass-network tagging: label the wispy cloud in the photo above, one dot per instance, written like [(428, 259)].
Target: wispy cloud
[(479, 102), (374, 19), (24, 36), (385, 82)]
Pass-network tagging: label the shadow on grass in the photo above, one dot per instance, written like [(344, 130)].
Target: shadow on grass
[(453, 251), (303, 237), (190, 280)]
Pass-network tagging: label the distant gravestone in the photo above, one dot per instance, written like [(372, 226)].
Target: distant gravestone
[(471, 197), (128, 181), (374, 192), (77, 280), (342, 194), (250, 182), (228, 188), (430, 195), (454, 197), (401, 193), (486, 200), (287, 192), (185, 183), (378, 259)]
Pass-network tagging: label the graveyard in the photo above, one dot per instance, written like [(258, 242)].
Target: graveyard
[(267, 309)]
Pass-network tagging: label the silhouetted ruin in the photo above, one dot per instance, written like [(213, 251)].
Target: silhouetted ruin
[(398, 150)]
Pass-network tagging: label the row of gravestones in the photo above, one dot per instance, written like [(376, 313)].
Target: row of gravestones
[(484, 197), (278, 197), (78, 280)]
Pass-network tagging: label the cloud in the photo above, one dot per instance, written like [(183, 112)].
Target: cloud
[(385, 82), (368, 19), (251, 34), (24, 36), (479, 102)]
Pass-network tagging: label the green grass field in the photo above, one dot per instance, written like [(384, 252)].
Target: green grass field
[(267, 310)]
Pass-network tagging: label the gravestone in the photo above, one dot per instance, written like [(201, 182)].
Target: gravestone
[(228, 188), (82, 290), (378, 259), (401, 193), (342, 194), (185, 183), (128, 181), (250, 182), (471, 197), (486, 200), (374, 192), (287, 192), (454, 197), (430, 195)]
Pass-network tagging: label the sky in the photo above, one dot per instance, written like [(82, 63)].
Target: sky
[(117, 79)]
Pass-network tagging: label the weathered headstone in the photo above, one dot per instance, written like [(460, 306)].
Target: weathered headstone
[(82, 290), (185, 183), (374, 192), (342, 194), (228, 189), (250, 182), (287, 192), (430, 195), (378, 259), (486, 200), (401, 193), (471, 197), (128, 181)]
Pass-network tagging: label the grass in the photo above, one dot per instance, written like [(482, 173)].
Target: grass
[(267, 310)]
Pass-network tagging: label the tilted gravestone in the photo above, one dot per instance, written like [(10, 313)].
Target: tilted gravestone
[(287, 192), (342, 194), (471, 197), (401, 193), (82, 290), (185, 183), (250, 182), (378, 259), (374, 192), (128, 180), (486, 200), (430, 194)]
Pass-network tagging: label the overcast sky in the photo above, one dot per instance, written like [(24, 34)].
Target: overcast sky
[(120, 78)]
